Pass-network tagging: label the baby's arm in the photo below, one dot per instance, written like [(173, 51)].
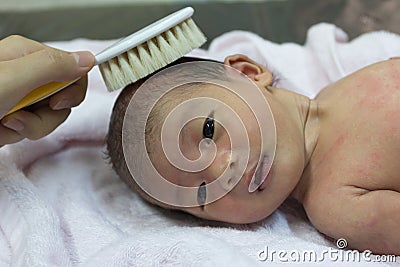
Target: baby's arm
[(368, 220), (380, 214)]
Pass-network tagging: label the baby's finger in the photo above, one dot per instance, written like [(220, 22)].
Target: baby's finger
[(35, 125), (71, 96), (16, 46)]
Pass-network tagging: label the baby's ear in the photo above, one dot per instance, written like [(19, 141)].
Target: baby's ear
[(258, 73)]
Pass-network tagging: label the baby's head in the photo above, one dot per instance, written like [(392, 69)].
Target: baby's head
[(238, 205)]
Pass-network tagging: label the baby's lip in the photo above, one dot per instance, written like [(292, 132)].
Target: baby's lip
[(259, 175)]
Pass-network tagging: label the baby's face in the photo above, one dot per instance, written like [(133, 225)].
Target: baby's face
[(239, 205)]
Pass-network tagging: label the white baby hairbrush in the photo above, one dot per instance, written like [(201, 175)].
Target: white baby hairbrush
[(136, 55)]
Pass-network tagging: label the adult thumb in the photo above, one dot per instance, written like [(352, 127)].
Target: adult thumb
[(21, 75)]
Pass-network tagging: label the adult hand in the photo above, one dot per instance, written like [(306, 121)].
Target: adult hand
[(25, 65)]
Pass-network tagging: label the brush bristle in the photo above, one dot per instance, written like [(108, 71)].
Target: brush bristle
[(152, 55)]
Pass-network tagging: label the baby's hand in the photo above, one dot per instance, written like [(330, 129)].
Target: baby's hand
[(26, 65)]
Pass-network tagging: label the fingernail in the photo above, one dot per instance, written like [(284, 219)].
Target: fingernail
[(84, 58), (14, 124), (62, 104)]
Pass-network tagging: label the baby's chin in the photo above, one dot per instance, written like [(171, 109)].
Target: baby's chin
[(253, 218), (243, 218)]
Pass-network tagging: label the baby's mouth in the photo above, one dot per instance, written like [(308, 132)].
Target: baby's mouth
[(260, 174)]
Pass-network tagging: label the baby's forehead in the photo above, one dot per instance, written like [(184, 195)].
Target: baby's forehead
[(205, 96), (202, 96), (196, 89)]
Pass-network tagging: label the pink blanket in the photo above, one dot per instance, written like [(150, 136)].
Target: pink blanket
[(62, 205)]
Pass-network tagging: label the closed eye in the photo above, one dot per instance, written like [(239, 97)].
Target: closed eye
[(202, 195)]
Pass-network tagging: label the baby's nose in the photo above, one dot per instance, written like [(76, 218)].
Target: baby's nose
[(223, 161)]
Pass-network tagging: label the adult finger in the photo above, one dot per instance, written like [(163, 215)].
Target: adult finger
[(9, 136), (16, 46), (37, 124), (20, 76), (71, 96)]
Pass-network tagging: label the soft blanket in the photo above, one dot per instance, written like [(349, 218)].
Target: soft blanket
[(62, 205)]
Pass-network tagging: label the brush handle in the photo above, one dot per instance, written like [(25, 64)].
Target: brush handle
[(40, 93)]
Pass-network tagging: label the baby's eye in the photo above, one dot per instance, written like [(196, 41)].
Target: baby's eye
[(202, 194), (208, 128)]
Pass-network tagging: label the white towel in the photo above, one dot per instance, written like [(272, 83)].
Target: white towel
[(62, 205)]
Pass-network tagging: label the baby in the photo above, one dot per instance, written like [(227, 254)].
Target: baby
[(334, 154)]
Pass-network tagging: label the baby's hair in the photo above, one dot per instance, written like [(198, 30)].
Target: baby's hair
[(114, 137)]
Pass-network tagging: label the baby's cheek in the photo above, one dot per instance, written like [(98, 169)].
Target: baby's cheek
[(229, 209), (188, 144)]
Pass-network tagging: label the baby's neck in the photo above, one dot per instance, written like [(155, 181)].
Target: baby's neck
[(311, 133), (311, 130), (305, 113)]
